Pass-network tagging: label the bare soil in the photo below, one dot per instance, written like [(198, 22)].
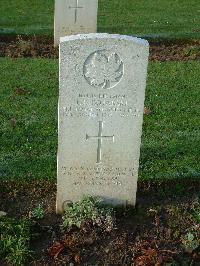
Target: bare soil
[(23, 46), (151, 234)]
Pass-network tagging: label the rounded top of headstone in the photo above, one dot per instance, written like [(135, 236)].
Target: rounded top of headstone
[(91, 36)]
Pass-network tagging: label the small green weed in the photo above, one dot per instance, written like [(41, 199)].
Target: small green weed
[(191, 240), (14, 241), (193, 51), (38, 212), (196, 214), (89, 209)]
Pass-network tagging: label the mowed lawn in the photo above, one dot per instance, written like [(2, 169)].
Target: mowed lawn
[(28, 119), (150, 19)]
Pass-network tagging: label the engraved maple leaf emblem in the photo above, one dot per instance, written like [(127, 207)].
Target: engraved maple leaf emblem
[(103, 69)]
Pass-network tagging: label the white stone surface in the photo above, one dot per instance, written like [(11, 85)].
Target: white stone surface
[(73, 17), (101, 102)]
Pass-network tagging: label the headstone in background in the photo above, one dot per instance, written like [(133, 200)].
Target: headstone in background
[(101, 102), (73, 17)]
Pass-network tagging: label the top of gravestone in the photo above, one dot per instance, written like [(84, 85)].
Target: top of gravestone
[(91, 36)]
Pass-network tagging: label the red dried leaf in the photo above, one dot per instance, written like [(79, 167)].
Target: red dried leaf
[(56, 249), (149, 258), (143, 260), (151, 252), (77, 258)]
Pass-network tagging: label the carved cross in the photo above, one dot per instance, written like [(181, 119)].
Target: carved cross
[(76, 7), (100, 138)]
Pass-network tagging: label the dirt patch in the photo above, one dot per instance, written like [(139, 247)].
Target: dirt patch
[(175, 51), (151, 234), (19, 198), (17, 47), (23, 46)]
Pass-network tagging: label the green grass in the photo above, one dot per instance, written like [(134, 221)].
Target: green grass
[(29, 92), (29, 149), (14, 241), (26, 17), (171, 134), (150, 19)]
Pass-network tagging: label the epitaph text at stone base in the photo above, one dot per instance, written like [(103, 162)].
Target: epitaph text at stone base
[(101, 102)]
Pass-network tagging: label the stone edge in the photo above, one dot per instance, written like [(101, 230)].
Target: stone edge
[(92, 36)]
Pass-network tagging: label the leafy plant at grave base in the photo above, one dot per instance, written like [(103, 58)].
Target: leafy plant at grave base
[(89, 209), (14, 241), (38, 212), (191, 240)]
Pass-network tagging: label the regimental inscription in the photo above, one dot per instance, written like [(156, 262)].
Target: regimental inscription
[(102, 105), (76, 7), (103, 69), (100, 138)]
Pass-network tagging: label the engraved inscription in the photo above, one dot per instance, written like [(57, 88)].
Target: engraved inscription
[(76, 7), (98, 175), (100, 137), (103, 69), (101, 105)]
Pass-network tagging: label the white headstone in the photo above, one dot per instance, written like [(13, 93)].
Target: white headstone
[(73, 17), (101, 102)]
